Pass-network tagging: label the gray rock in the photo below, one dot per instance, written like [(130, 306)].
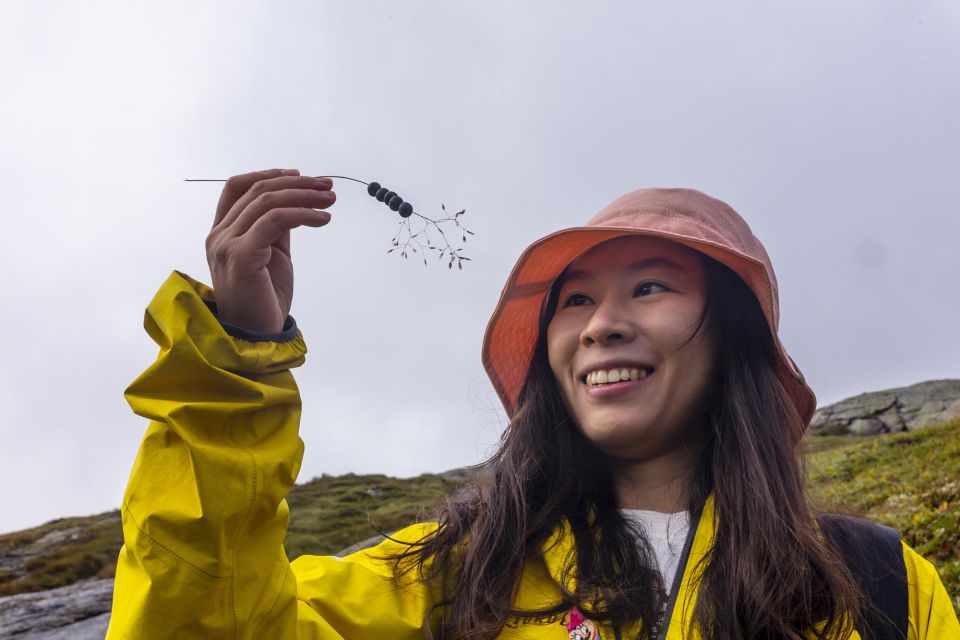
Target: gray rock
[(78, 611), (890, 419), (891, 410), (867, 427), (933, 411), (94, 628), (459, 474), (360, 546)]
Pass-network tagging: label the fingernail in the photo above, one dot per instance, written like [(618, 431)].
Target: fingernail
[(290, 172)]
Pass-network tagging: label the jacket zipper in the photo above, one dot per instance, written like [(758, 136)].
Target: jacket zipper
[(677, 577)]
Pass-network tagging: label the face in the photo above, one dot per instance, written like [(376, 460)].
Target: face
[(632, 304)]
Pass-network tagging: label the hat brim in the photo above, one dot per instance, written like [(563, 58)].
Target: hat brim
[(511, 334)]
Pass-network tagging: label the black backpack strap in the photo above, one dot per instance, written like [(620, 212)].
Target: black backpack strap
[(875, 556)]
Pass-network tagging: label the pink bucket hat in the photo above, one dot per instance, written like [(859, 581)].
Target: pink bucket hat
[(686, 216)]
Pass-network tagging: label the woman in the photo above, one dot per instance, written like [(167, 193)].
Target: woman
[(648, 484)]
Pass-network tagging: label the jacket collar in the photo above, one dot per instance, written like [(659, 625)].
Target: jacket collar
[(558, 553)]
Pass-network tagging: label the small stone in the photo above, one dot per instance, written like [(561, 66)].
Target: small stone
[(406, 210), (382, 193), (866, 427), (395, 202), (373, 187)]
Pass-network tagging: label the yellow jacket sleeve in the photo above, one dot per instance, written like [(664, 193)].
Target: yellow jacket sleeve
[(204, 512), (930, 615)]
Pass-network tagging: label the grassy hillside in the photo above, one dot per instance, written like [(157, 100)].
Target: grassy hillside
[(330, 513), (59, 553), (327, 514), (910, 481)]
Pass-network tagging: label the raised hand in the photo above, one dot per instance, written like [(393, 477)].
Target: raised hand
[(248, 247)]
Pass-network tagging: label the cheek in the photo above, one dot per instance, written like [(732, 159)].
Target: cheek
[(708, 357), (697, 359), (673, 330), (558, 350)]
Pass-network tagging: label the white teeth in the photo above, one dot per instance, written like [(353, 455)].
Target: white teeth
[(616, 375)]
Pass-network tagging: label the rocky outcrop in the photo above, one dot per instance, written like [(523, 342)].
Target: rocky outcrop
[(891, 410), (78, 611)]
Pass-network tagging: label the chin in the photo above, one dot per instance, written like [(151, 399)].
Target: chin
[(613, 437)]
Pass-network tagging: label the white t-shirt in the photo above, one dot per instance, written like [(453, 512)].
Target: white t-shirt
[(667, 533)]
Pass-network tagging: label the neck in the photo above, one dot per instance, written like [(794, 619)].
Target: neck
[(654, 484)]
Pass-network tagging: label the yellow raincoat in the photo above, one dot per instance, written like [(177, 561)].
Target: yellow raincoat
[(204, 513)]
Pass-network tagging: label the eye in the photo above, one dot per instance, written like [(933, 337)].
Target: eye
[(572, 297), (646, 285)]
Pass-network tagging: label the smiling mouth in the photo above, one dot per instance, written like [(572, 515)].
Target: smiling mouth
[(642, 373)]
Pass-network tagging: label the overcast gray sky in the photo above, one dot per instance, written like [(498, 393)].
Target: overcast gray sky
[(831, 127)]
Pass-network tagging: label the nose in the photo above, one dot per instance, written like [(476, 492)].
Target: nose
[(610, 322)]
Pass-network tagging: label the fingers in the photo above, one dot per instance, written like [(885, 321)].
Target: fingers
[(236, 186), (269, 200), (270, 226), (266, 191)]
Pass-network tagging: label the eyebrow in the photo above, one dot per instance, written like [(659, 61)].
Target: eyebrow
[(639, 265)]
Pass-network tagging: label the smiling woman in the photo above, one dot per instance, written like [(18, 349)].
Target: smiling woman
[(649, 484), (644, 319)]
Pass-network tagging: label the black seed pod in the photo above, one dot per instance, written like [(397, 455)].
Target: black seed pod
[(382, 193), (395, 202), (389, 195), (406, 210), (373, 187)]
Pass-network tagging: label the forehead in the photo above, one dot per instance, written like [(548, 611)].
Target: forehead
[(634, 253)]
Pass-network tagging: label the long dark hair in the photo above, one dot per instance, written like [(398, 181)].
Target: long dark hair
[(768, 574)]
